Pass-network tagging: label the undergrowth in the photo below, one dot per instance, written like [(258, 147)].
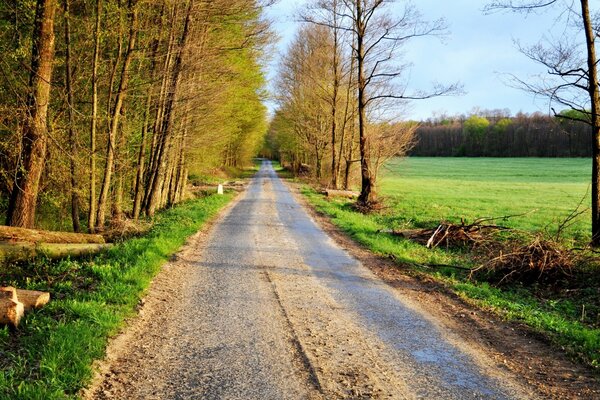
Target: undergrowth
[(50, 355)]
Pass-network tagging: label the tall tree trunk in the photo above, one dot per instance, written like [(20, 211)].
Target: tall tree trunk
[(120, 163), (345, 125), (115, 69), (23, 199), (114, 126), (154, 196), (594, 94), (92, 198), (139, 176), (334, 97), (367, 193), (71, 119)]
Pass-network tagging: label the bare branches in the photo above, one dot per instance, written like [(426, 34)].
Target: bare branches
[(519, 5)]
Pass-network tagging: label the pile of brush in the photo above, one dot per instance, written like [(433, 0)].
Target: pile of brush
[(541, 261), (452, 235), (515, 257)]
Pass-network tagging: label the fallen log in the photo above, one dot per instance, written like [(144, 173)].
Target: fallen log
[(11, 312), (25, 251), (32, 298), (12, 234), (348, 194)]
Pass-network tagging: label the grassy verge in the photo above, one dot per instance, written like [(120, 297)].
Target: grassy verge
[(570, 320), (50, 355)]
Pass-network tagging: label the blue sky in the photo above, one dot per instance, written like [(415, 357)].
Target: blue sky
[(479, 52)]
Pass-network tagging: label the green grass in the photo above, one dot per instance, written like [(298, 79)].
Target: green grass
[(427, 190), (50, 355), (422, 191)]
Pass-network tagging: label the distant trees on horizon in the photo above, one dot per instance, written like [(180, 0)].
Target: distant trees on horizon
[(497, 134)]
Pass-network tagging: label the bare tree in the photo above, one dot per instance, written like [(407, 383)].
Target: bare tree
[(379, 32), (572, 76)]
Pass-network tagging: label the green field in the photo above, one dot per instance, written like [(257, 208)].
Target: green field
[(427, 190)]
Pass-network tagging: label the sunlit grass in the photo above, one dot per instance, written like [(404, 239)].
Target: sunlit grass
[(427, 190)]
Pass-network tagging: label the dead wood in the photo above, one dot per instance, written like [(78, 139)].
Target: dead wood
[(348, 194), (32, 298), (11, 312), (25, 251), (8, 292), (12, 234), (541, 261), (450, 235)]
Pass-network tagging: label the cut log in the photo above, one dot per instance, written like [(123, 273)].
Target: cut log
[(340, 193), (11, 312), (12, 234), (32, 298), (405, 233), (26, 251), (8, 292)]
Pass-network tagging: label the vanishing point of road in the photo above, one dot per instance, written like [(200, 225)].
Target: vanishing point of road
[(271, 308)]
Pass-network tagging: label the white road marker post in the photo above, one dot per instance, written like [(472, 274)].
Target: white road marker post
[(220, 189)]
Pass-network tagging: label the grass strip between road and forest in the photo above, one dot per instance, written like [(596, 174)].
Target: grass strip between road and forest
[(557, 319), (50, 355)]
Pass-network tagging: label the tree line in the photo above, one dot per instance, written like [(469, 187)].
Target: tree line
[(500, 135), (108, 106)]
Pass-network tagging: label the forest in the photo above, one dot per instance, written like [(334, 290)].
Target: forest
[(109, 106), (497, 134)]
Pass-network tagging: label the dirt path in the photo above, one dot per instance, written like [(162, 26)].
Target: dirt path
[(267, 306)]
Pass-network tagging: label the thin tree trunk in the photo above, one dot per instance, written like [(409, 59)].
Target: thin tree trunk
[(594, 94), (23, 199), (114, 70), (336, 84), (71, 104), (367, 193), (345, 124), (139, 176), (117, 201), (92, 198), (110, 152)]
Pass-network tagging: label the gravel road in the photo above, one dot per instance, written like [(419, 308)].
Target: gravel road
[(267, 306)]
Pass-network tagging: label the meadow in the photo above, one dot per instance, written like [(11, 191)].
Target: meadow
[(425, 190)]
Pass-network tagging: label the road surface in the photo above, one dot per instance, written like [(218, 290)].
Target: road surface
[(272, 308)]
